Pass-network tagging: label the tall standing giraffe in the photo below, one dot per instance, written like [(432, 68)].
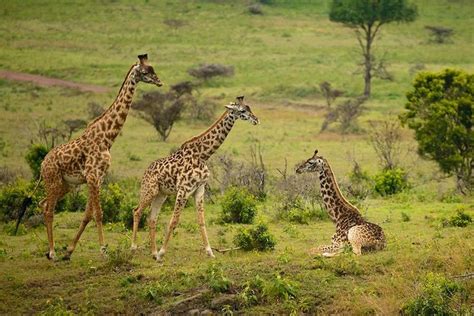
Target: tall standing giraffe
[(87, 158), (351, 227), (184, 173)]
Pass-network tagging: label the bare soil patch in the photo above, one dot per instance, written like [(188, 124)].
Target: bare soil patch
[(48, 82)]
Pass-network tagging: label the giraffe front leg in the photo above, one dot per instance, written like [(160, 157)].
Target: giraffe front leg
[(155, 210), (199, 201), (181, 200)]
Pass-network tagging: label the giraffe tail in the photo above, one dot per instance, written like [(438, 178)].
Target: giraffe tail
[(27, 201)]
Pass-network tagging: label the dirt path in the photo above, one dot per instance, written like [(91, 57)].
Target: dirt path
[(48, 82)]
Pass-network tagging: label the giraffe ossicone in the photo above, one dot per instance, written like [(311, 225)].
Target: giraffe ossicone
[(351, 227), (86, 158), (185, 173)]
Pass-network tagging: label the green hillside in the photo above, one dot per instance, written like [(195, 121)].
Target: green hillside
[(279, 59)]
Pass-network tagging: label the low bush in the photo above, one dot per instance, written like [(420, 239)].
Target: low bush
[(391, 181), (238, 206), (255, 238), (217, 281), (461, 219), (280, 288), (252, 291), (12, 196), (34, 157), (405, 217), (438, 296)]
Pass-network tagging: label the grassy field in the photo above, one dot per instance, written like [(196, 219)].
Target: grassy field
[(279, 58)]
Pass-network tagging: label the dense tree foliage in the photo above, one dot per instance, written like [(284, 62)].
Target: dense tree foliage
[(440, 112), (366, 17)]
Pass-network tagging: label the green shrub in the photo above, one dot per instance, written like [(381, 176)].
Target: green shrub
[(73, 202), (280, 288), (405, 217), (439, 296), (238, 206), (252, 291), (12, 196), (10, 229), (218, 282), (391, 181), (126, 214), (461, 219), (34, 157), (255, 238)]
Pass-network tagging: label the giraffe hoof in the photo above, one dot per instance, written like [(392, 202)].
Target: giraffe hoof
[(50, 256), (210, 253), (67, 257)]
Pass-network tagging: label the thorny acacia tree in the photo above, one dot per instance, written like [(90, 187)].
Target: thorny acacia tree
[(366, 17)]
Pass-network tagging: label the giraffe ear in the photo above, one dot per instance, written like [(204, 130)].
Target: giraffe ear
[(315, 152), (143, 58), (240, 99)]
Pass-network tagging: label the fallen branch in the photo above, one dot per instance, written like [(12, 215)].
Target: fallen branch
[(190, 298), (464, 276), (226, 250)]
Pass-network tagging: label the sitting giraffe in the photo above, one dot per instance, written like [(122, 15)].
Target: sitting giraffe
[(87, 158), (350, 225), (185, 173)]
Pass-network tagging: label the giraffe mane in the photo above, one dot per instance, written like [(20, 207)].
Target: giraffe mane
[(206, 131), (337, 189), (105, 111)]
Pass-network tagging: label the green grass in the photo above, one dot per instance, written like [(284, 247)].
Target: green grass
[(378, 282), (279, 59)]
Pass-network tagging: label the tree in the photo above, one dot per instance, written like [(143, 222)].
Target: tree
[(385, 137), (440, 34), (440, 111), (161, 110), (366, 17)]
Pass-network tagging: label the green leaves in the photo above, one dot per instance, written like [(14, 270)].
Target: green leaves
[(368, 12), (439, 110)]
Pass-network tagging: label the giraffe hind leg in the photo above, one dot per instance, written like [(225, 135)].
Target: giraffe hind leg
[(55, 190)]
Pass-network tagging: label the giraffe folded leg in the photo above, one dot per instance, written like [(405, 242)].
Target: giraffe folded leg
[(367, 236)]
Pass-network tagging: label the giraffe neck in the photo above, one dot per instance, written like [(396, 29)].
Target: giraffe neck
[(206, 144), (107, 126), (336, 204)]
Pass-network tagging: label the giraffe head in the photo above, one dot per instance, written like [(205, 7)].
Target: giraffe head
[(313, 164), (242, 111), (144, 72)]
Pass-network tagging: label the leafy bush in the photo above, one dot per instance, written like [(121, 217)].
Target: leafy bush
[(298, 198), (461, 219), (117, 205), (238, 206), (255, 238), (119, 258), (392, 181), (405, 217), (74, 202), (439, 110), (207, 71), (218, 282), (252, 291), (304, 216), (439, 296), (12, 196), (280, 288), (34, 157), (10, 229)]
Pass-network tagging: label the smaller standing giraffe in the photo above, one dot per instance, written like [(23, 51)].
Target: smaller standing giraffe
[(87, 158), (351, 227), (185, 173)]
